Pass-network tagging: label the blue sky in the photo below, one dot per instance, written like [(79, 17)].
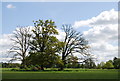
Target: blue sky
[(61, 12), (96, 20)]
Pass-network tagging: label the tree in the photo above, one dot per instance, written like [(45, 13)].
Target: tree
[(98, 66), (73, 42), (21, 44), (116, 63), (82, 66), (89, 63), (72, 61), (44, 46), (102, 64), (108, 65)]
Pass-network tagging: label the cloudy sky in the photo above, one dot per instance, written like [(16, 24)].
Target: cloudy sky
[(96, 20)]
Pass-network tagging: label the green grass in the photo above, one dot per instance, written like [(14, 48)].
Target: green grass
[(67, 74)]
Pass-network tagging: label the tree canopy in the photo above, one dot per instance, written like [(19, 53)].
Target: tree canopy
[(44, 46)]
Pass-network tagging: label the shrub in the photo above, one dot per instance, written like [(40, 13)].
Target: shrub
[(39, 68), (15, 69), (34, 68), (54, 69)]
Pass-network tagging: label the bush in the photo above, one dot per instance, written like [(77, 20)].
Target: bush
[(54, 69), (27, 69), (15, 69), (39, 68), (34, 68)]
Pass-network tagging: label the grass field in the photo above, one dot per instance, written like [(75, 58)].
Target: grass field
[(66, 74)]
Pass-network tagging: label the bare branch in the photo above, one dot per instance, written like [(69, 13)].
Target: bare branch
[(73, 42), (22, 42)]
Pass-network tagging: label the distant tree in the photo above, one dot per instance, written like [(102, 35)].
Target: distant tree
[(21, 45), (72, 61), (108, 65), (99, 66), (89, 63), (82, 66), (94, 65), (102, 64), (44, 46), (10, 65), (116, 63), (73, 42), (110, 61)]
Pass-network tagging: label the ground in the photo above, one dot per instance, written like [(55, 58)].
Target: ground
[(66, 74)]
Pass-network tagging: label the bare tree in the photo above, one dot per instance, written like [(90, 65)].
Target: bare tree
[(73, 42), (21, 45)]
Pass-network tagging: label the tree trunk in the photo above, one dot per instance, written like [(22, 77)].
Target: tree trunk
[(23, 64), (62, 66)]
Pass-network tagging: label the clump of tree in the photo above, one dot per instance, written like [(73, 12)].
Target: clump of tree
[(41, 47), (89, 63), (111, 64), (72, 62), (108, 65)]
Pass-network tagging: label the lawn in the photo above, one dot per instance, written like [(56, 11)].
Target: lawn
[(66, 74)]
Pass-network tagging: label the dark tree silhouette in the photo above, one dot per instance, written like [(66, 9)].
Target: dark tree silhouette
[(73, 42)]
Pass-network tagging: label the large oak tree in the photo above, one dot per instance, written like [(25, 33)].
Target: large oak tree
[(44, 46)]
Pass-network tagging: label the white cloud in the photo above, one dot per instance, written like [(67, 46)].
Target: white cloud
[(104, 18), (107, 33), (5, 44), (61, 35), (10, 6), (103, 34)]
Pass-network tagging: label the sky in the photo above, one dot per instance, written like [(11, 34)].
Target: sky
[(23, 13), (96, 20)]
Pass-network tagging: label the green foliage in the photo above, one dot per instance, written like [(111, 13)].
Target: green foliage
[(98, 66), (59, 62), (102, 64), (108, 65), (82, 66), (116, 63), (10, 65), (44, 46), (54, 69), (72, 61), (45, 49), (89, 63), (34, 69), (15, 69)]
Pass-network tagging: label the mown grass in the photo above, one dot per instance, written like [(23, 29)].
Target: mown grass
[(66, 74)]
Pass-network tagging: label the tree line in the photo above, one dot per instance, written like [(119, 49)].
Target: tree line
[(41, 47), (74, 63)]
